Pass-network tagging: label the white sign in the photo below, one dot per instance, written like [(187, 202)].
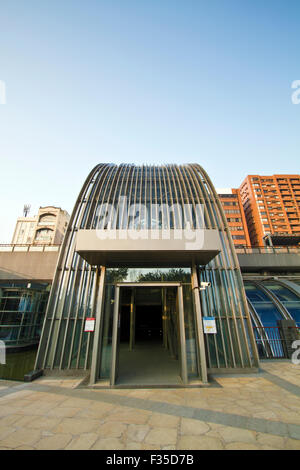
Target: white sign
[(209, 324), (89, 324), (2, 353)]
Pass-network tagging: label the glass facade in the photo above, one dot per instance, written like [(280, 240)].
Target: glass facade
[(270, 302), (22, 310), (287, 298), (263, 305)]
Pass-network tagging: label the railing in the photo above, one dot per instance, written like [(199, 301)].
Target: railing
[(270, 342), (266, 250), (20, 334), (12, 248)]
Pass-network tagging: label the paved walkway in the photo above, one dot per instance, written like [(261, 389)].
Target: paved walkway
[(260, 411)]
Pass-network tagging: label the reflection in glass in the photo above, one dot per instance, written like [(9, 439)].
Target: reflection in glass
[(107, 331), (290, 300), (21, 314), (148, 275), (263, 305)]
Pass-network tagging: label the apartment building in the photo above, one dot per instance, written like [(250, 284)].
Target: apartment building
[(47, 227), (233, 209), (272, 209)]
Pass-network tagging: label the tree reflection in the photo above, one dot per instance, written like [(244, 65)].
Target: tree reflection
[(173, 274), (116, 275)]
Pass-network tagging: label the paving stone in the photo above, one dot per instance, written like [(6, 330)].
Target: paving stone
[(56, 442), (25, 448), (294, 431), (76, 403), (257, 412), (23, 421), (83, 442), (108, 444), (111, 429), (159, 419), (137, 432), (76, 426), (5, 431), (161, 436), (133, 446), (101, 407), (61, 412), (242, 446), (277, 442), (9, 420), (21, 437), (37, 409), (92, 413), (199, 443), (292, 444), (6, 410), (130, 417), (43, 422), (230, 434), (145, 446), (193, 427)]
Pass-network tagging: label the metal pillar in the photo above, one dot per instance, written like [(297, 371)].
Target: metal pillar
[(113, 373), (96, 359), (184, 374), (199, 325), (132, 320)]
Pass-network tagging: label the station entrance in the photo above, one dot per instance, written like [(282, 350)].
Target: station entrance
[(148, 344)]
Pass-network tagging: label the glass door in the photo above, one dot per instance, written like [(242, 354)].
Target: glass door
[(173, 334)]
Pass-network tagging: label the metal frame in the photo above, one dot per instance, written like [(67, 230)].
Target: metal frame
[(96, 354), (116, 320)]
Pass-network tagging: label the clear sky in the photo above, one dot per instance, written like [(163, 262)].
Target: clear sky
[(143, 81)]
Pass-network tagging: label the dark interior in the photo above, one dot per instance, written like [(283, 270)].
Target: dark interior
[(148, 324), (149, 362)]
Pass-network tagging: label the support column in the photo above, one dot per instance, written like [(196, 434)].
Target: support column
[(96, 359), (114, 341), (199, 324), (164, 317), (184, 373), (132, 320)]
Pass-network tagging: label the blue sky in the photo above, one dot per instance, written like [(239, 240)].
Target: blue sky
[(157, 81)]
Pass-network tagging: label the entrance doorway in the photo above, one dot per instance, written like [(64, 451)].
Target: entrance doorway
[(148, 345)]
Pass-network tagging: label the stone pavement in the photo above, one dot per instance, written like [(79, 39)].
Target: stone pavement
[(257, 411)]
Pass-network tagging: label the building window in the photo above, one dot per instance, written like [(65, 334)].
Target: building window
[(47, 219), (43, 235)]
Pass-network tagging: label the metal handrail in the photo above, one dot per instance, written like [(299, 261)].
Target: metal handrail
[(26, 247), (270, 342), (249, 250)]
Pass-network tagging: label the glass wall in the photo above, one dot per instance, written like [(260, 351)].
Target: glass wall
[(22, 311), (223, 301), (266, 332), (288, 299), (263, 305)]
